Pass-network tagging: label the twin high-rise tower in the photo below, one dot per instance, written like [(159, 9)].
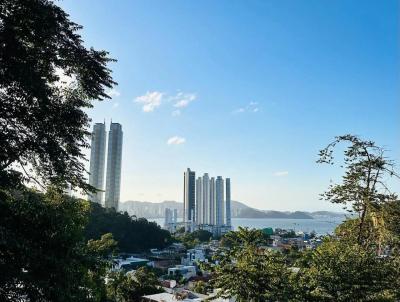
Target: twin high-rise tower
[(206, 200), (97, 163), (97, 156)]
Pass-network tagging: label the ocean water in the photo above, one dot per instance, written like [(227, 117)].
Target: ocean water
[(321, 226)]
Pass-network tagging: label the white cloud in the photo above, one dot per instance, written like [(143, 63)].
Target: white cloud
[(176, 140), (150, 100), (182, 99), (115, 105), (176, 113), (112, 92), (281, 173), (240, 110), (250, 107)]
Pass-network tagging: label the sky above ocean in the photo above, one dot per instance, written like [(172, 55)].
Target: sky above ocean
[(249, 90)]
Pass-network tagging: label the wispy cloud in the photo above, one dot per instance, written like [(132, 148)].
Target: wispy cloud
[(176, 140), (183, 99), (153, 99), (250, 107), (240, 110), (281, 173), (112, 92), (150, 100)]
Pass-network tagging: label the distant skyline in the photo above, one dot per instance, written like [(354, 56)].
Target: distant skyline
[(246, 89)]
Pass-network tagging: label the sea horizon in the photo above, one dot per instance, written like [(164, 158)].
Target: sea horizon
[(321, 226)]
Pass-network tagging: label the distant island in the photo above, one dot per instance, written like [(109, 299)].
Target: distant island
[(253, 213), (153, 210)]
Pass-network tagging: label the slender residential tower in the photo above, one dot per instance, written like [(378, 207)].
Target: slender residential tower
[(97, 157), (189, 195), (199, 201), (219, 201), (114, 157), (212, 202), (206, 198), (168, 217), (228, 201)]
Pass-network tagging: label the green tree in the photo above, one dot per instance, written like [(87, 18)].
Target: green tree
[(133, 235), (201, 287), (363, 190), (190, 240), (351, 266), (248, 273), (43, 254), (131, 287), (346, 271), (43, 125), (48, 78)]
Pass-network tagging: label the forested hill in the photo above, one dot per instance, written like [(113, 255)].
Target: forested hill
[(253, 213), (133, 235)]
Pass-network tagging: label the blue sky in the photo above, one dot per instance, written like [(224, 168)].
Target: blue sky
[(245, 89)]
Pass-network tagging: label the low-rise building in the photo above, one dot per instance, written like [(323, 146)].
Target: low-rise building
[(185, 271), (129, 263), (194, 255), (184, 296)]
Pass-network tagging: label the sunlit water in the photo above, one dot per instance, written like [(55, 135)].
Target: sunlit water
[(321, 225)]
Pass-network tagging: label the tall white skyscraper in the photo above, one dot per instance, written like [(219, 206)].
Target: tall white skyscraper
[(228, 201), (114, 157), (212, 216), (219, 201), (206, 198), (97, 158), (168, 217), (189, 197), (199, 201), (207, 202)]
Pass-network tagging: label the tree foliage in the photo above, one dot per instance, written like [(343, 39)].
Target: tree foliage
[(360, 262), (123, 287), (43, 125), (363, 189), (190, 240), (249, 273), (132, 235), (201, 287), (43, 252), (346, 271)]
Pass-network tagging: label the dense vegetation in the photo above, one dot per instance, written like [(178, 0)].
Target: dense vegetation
[(54, 247), (132, 234), (127, 288), (190, 240), (360, 262), (47, 78), (43, 253)]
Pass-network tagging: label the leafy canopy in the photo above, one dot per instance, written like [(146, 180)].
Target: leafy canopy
[(248, 272), (43, 252), (363, 189), (43, 126)]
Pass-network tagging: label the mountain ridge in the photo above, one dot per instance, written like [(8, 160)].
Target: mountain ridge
[(149, 209)]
